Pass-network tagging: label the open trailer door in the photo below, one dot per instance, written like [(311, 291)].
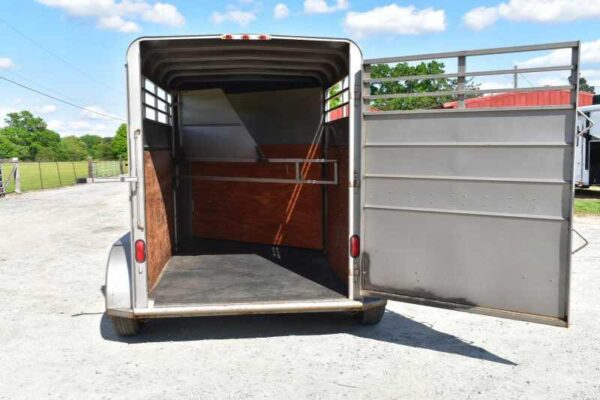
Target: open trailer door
[(469, 208)]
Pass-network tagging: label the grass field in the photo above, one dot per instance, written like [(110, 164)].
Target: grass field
[(587, 206), (47, 175)]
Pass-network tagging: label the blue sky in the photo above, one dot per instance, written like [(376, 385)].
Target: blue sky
[(91, 36)]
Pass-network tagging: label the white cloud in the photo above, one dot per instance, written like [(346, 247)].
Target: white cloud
[(4, 111), (590, 53), (117, 23), (242, 18), (592, 76), (82, 127), (120, 15), (395, 20), (321, 6), (480, 17), (533, 10), (164, 14), (6, 63), (281, 11), (47, 109)]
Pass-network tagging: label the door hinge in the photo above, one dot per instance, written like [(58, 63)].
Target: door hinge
[(355, 183)]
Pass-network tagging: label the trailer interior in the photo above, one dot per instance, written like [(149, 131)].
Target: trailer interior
[(246, 170)]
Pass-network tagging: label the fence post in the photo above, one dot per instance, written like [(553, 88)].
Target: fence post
[(91, 170), (121, 166), (74, 173), (58, 171), (17, 175), (41, 179)]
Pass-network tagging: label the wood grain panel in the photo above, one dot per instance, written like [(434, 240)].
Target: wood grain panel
[(158, 172), (270, 213)]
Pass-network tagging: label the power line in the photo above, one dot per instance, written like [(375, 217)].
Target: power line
[(59, 58), (40, 85), (62, 100)]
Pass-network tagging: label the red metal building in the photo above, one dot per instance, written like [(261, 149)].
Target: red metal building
[(518, 99)]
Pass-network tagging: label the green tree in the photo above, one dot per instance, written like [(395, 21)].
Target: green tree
[(45, 154), (412, 86), (25, 130), (119, 144), (90, 141), (72, 148), (584, 86), (8, 149), (103, 150)]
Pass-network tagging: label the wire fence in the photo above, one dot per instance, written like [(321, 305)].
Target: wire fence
[(48, 175)]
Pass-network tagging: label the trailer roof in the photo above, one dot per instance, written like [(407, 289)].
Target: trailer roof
[(192, 62)]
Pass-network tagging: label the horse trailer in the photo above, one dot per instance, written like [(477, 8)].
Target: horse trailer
[(264, 179)]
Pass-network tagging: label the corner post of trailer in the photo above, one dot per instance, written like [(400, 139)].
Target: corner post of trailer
[(139, 289)]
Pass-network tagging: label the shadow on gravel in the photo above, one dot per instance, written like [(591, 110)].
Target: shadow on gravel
[(394, 328)]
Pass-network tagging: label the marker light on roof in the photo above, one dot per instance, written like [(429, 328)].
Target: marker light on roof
[(245, 36)]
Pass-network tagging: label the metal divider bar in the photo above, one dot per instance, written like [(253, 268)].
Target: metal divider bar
[(298, 179), (511, 71), (466, 92)]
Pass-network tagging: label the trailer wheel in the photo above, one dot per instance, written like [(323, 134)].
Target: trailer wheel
[(126, 326), (370, 316)]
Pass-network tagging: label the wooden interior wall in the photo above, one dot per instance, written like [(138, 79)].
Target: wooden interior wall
[(158, 173), (270, 213), (337, 215)]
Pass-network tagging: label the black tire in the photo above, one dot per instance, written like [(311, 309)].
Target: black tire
[(370, 316), (126, 326)]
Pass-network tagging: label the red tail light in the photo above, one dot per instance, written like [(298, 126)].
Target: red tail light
[(140, 251), (354, 246)]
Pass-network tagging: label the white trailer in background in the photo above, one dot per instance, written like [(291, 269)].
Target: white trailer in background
[(587, 146)]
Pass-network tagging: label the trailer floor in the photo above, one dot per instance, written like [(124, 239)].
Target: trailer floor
[(233, 278)]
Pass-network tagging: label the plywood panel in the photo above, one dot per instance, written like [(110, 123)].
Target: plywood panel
[(158, 172), (271, 213)]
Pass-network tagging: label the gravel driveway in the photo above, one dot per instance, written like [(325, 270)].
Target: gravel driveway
[(55, 342)]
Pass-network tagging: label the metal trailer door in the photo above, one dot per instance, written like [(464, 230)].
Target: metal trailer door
[(467, 208)]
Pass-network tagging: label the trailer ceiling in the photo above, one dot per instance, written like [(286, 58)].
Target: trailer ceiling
[(193, 63)]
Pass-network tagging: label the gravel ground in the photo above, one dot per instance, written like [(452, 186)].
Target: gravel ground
[(56, 343)]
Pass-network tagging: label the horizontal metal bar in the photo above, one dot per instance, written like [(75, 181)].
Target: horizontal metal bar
[(482, 52), (465, 92), (118, 179), (468, 179), (261, 180), (337, 94), (242, 309), (375, 291), (465, 110), (336, 107), (265, 160), (468, 144), (157, 96), (167, 113), (468, 74), (460, 212)]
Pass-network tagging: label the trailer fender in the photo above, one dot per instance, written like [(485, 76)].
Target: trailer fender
[(118, 275)]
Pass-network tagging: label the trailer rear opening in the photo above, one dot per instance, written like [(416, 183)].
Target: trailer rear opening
[(260, 211)]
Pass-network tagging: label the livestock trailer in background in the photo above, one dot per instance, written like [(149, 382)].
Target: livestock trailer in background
[(248, 198), (587, 146)]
